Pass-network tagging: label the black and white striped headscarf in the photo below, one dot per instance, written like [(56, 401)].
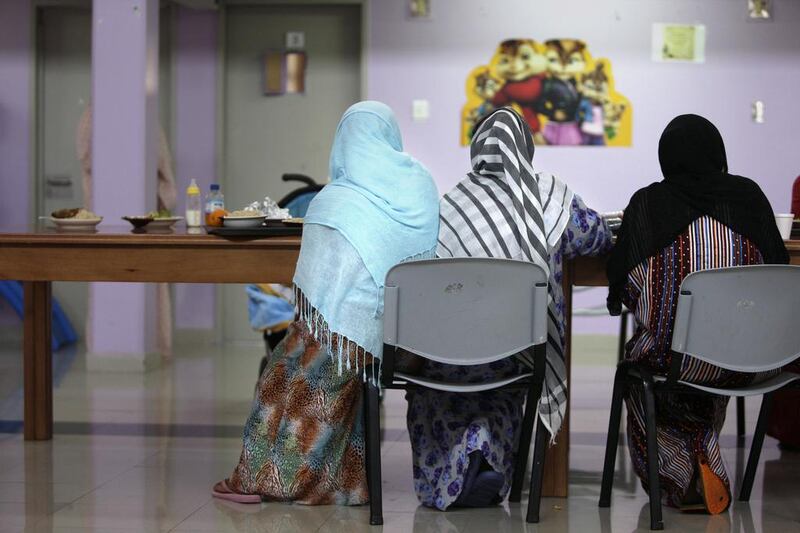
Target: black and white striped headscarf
[(503, 208)]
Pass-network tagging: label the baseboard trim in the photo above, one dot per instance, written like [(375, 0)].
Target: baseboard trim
[(194, 337), (123, 362)]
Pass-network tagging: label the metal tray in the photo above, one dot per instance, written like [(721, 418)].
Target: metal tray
[(262, 231)]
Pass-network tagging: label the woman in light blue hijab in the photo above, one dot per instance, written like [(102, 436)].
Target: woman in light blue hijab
[(304, 439)]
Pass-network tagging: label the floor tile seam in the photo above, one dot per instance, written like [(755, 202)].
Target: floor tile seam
[(206, 502), (108, 481)]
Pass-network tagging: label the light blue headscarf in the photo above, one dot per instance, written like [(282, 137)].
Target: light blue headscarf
[(385, 204)]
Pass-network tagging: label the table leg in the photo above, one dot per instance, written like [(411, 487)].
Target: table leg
[(556, 466), (38, 362)]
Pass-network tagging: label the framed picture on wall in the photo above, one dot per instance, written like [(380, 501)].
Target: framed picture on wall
[(759, 9), (679, 43), (284, 72), (419, 9)]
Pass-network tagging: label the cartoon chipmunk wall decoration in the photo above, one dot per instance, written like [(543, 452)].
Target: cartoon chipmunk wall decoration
[(566, 96), (591, 113), (566, 59), (523, 69)]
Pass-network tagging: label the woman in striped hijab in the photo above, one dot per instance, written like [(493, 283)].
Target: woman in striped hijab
[(698, 217), (463, 445)]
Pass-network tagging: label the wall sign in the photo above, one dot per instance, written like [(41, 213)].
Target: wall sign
[(566, 96), (284, 72), (682, 43), (759, 9)]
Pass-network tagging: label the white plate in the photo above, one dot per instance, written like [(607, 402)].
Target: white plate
[(163, 223), (76, 223), (243, 222)]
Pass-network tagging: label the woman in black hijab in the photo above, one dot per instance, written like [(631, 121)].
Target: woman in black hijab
[(698, 217)]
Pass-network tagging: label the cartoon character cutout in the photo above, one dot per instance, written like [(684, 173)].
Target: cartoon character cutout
[(566, 59), (565, 95), (522, 69), (614, 117), (594, 89), (559, 104), (485, 89)]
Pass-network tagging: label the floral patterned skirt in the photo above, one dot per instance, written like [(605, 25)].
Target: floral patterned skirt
[(445, 428), (304, 439)]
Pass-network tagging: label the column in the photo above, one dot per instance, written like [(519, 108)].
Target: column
[(195, 70), (122, 321)]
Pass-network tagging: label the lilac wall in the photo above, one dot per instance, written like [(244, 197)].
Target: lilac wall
[(15, 91), (745, 61), (195, 75)]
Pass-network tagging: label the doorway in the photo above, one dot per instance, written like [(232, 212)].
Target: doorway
[(267, 136)]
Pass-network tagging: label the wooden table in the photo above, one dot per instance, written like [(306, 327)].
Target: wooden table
[(39, 257)]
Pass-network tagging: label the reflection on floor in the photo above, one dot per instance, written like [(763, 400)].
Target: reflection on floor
[(139, 453)]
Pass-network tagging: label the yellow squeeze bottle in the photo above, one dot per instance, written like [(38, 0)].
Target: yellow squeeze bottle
[(194, 218)]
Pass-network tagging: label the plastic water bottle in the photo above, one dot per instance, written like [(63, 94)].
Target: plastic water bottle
[(214, 201), (194, 217)]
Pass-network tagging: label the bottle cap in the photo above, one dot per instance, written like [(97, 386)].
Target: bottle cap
[(193, 188), (215, 186)]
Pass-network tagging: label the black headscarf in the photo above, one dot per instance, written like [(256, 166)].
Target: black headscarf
[(696, 183)]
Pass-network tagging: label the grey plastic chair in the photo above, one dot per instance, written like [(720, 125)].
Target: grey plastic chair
[(742, 319), (623, 339), (464, 311)]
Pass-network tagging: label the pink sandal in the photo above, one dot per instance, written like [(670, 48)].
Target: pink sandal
[(222, 491)]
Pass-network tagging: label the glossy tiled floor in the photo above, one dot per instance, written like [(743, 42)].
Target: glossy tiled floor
[(139, 453)]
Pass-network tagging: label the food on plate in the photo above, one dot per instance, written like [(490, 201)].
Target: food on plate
[(65, 213), (246, 213), (76, 213), (162, 213), (215, 217)]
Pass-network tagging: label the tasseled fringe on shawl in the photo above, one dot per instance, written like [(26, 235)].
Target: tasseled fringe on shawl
[(346, 353), (339, 346)]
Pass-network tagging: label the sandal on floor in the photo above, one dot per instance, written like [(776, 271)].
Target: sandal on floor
[(712, 487), (222, 491)]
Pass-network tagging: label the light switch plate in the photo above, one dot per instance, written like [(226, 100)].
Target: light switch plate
[(758, 112), (420, 110), (295, 40)]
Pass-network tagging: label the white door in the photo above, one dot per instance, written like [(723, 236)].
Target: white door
[(267, 136)]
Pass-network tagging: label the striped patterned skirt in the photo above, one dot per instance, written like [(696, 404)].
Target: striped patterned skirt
[(687, 430)]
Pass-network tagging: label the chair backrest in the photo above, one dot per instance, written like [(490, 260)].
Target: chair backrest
[(465, 311), (745, 318)]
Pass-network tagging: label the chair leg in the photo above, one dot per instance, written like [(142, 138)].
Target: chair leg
[(623, 334), (612, 439), (740, 417), (537, 473), (524, 445), (755, 449), (656, 521), (372, 440)]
